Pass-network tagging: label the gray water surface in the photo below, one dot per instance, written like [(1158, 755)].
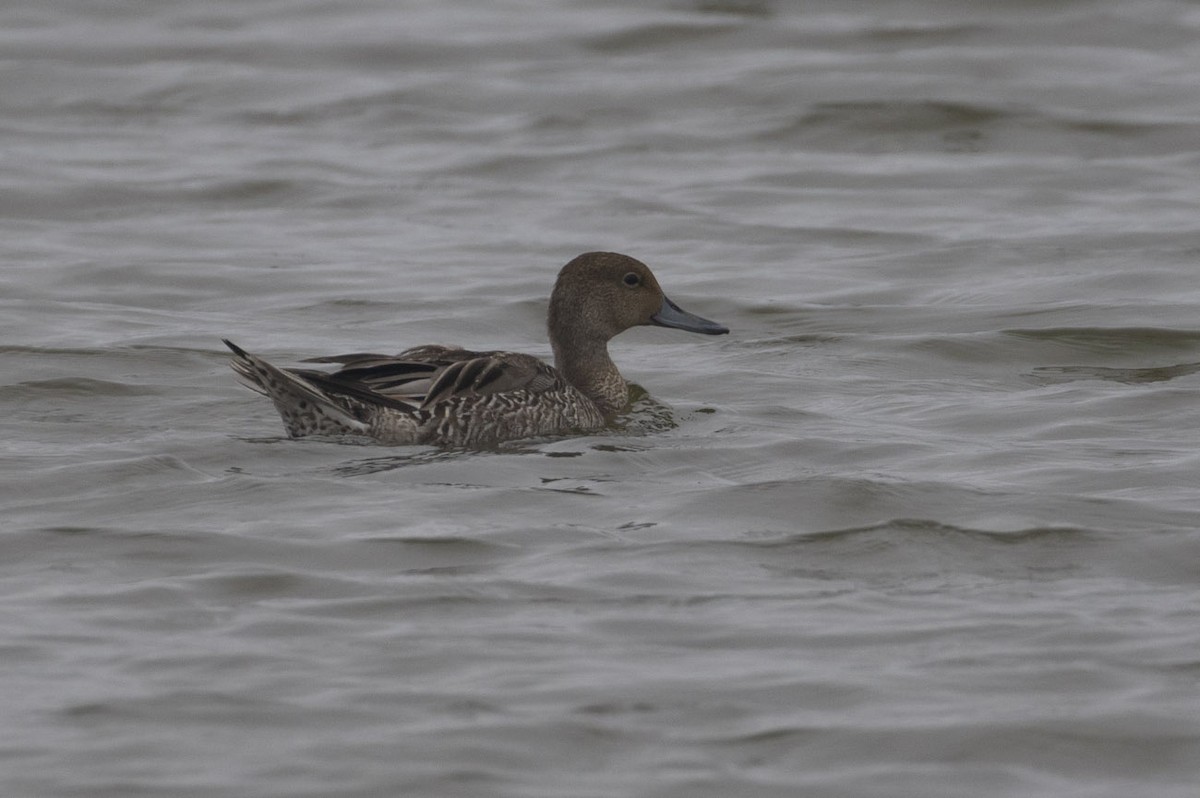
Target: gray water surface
[(927, 523)]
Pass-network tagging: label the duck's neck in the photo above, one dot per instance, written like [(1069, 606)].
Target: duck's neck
[(589, 368)]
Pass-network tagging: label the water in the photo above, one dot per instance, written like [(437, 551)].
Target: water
[(926, 524)]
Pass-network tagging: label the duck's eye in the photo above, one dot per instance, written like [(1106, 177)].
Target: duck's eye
[(632, 280)]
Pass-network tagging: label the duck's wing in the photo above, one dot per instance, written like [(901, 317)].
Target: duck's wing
[(427, 375), (430, 353), (491, 373)]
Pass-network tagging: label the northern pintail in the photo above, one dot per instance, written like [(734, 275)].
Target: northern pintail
[(449, 396)]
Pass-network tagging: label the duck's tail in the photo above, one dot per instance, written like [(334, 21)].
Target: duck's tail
[(304, 407)]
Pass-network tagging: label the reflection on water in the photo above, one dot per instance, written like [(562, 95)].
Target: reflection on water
[(1049, 374)]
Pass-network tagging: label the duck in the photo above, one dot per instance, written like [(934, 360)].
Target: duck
[(448, 396)]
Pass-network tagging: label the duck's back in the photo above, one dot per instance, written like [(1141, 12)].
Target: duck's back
[(452, 396)]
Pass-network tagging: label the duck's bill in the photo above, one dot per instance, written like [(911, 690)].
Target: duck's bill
[(671, 315)]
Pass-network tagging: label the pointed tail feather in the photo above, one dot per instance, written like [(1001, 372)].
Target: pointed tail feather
[(305, 408), (242, 366)]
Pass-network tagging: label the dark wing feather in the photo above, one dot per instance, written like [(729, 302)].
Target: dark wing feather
[(330, 384), (490, 373), (427, 375), (353, 359)]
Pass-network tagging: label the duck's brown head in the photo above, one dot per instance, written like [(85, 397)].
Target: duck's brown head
[(601, 294)]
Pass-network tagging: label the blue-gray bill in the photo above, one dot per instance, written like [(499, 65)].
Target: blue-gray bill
[(671, 315)]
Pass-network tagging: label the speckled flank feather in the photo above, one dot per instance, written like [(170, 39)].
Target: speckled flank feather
[(449, 396)]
